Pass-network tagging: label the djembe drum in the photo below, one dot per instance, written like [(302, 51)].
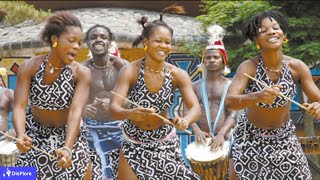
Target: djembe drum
[(8, 153), (207, 164), (310, 145)]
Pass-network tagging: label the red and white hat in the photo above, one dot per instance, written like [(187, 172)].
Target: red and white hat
[(216, 34), (114, 49)]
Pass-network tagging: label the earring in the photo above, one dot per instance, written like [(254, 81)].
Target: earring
[(285, 40), (258, 46), (145, 48), (55, 44)]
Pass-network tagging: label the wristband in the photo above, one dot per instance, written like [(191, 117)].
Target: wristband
[(67, 149)]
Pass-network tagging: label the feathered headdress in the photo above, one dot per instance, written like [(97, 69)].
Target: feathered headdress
[(216, 34)]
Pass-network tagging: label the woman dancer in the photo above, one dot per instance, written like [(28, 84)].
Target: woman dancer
[(55, 85), (151, 148), (265, 145)]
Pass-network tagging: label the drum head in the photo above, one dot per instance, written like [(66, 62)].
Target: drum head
[(7, 147), (201, 152)]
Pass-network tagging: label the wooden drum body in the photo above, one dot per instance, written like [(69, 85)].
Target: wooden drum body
[(8, 153), (310, 145), (207, 164)]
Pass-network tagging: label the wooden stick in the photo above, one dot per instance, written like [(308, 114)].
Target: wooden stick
[(266, 85), (164, 119), (38, 149)]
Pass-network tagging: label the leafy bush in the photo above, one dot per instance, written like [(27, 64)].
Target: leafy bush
[(19, 11), (303, 34)]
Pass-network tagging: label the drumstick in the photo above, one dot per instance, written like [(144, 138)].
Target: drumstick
[(266, 85), (38, 149), (164, 119)]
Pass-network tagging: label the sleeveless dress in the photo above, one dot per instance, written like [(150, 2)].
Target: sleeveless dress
[(56, 96), (152, 154), (269, 153)]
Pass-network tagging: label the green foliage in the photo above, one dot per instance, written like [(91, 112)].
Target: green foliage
[(193, 48), (19, 11), (237, 56), (309, 52), (228, 13), (304, 29)]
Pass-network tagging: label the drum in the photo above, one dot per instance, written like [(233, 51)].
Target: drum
[(8, 153), (208, 164), (310, 144)]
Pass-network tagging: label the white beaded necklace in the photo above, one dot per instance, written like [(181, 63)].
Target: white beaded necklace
[(271, 70), (52, 67), (100, 67)]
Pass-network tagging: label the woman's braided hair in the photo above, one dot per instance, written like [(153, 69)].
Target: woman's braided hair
[(252, 28)]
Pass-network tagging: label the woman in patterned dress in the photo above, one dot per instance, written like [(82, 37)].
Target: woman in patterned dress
[(265, 145), (56, 86), (151, 148)]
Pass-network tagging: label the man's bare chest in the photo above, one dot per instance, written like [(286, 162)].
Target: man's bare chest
[(104, 79)]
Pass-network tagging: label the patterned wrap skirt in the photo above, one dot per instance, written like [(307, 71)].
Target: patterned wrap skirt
[(268, 154), (153, 154), (50, 139)]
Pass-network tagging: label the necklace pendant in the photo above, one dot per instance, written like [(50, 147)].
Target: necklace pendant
[(51, 71)]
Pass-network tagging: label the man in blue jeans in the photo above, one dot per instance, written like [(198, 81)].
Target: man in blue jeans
[(104, 132)]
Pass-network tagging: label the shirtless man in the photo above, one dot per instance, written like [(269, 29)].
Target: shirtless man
[(104, 133), (6, 106), (210, 90)]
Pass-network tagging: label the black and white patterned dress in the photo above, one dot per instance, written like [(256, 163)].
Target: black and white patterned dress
[(269, 153), (56, 96), (153, 154)]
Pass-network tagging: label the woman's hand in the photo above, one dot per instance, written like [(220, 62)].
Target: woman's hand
[(313, 109), (269, 95), (180, 123), (217, 142), (139, 114), (24, 143), (200, 136), (64, 160)]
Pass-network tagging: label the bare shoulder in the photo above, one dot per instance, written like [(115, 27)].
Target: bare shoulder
[(31, 65), (131, 69), (80, 71), (297, 67), (117, 62), (86, 62), (176, 72), (248, 66), (8, 92), (293, 63)]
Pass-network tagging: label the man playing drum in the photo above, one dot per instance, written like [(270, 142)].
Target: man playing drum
[(6, 106), (210, 90)]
